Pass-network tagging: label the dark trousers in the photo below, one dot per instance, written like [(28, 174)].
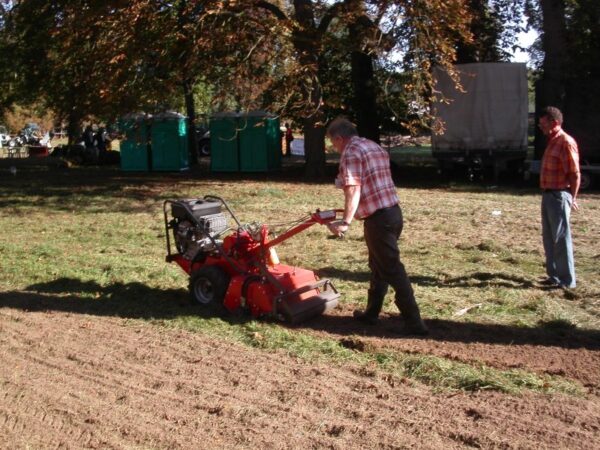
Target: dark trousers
[(382, 231)]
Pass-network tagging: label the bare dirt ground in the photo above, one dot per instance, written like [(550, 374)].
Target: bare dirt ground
[(71, 380)]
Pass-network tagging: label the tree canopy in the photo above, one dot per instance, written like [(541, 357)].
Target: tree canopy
[(306, 59)]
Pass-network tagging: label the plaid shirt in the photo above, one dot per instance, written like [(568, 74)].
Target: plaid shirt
[(364, 163), (561, 158)]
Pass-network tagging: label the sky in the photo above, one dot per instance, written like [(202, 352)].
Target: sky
[(525, 40)]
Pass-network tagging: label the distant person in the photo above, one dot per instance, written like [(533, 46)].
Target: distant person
[(101, 139), (289, 137), (370, 195), (89, 142), (88, 137), (559, 179)]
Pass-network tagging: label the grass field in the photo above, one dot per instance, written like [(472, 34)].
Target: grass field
[(92, 241)]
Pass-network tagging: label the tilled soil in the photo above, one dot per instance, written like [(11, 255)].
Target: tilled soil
[(78, 381), (571, 352)]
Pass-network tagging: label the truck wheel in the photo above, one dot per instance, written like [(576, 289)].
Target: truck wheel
[(586, 181), (203, 148), (208, 286)]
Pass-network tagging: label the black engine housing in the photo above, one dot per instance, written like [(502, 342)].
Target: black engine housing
[(196, 225)]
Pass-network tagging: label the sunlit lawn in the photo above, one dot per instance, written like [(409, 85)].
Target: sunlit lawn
[(93, 241)]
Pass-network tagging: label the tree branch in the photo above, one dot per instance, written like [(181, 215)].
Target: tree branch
[(273, 9)]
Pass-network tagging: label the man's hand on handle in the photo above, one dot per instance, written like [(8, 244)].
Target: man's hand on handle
[(338, 228)]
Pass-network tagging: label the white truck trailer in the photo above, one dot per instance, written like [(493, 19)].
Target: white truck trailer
[(485, 120)]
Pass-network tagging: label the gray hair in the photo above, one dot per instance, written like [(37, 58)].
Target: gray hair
[(341, 127)]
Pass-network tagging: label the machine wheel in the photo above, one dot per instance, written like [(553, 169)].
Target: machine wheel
[(208, 286)]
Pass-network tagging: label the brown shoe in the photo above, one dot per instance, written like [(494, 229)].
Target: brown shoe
[(365, 318)]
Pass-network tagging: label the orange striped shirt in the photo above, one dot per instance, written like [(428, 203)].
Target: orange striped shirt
[(561, 159)]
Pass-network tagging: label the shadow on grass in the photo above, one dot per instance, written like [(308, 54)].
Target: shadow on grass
[(131, 300), (52, 186), (547, 334), (473, 280), (478, 279), (138, 301)]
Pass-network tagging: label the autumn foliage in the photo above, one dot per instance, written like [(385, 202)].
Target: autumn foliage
[(87, 58)]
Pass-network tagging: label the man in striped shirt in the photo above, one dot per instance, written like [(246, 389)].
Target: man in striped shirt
[(370, 195), (559, 180)]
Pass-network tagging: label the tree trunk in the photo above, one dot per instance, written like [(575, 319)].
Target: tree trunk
[(190, 109), (306, 43), (364, 96), (550, 89), (73, 127), (314, 148)]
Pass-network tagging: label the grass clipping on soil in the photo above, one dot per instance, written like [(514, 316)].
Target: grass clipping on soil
[(439, 373), (94, 243)]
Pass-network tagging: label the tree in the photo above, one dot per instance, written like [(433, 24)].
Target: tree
[(62, 56), (484, 44), (375, 26), (569, 69), (102, 59), (89, 57)]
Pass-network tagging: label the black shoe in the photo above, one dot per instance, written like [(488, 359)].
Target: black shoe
[(548, 282), (367, 319), (412, 328)]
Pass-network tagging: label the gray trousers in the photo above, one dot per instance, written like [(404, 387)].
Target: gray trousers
[(382, 231), (556, 235)]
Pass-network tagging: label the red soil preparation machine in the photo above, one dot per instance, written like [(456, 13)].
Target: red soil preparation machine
[(236, 265)]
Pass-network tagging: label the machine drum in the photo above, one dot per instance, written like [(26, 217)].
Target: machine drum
[(296, 311)]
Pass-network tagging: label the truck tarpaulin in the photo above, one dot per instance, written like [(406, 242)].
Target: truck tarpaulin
[(489, 117)]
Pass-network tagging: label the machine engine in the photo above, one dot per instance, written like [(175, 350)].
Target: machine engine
[(197, 225)]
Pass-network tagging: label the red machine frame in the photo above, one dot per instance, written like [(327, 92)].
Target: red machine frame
[(243, 271)]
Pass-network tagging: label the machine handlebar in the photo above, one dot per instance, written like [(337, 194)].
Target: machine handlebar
[(320, 217)]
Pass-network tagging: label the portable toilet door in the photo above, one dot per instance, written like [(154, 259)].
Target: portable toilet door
[(134, 149), (273, 137), (260, 142), (224, 145), (170, 142)]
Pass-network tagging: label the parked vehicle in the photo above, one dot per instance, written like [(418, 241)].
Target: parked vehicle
[(203, 138), (32, 133), (485, 124)]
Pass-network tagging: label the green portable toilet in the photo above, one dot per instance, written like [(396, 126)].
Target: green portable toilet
[(260, 142), (249, 142), (135, 148), (169, 142), (224, 145)]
